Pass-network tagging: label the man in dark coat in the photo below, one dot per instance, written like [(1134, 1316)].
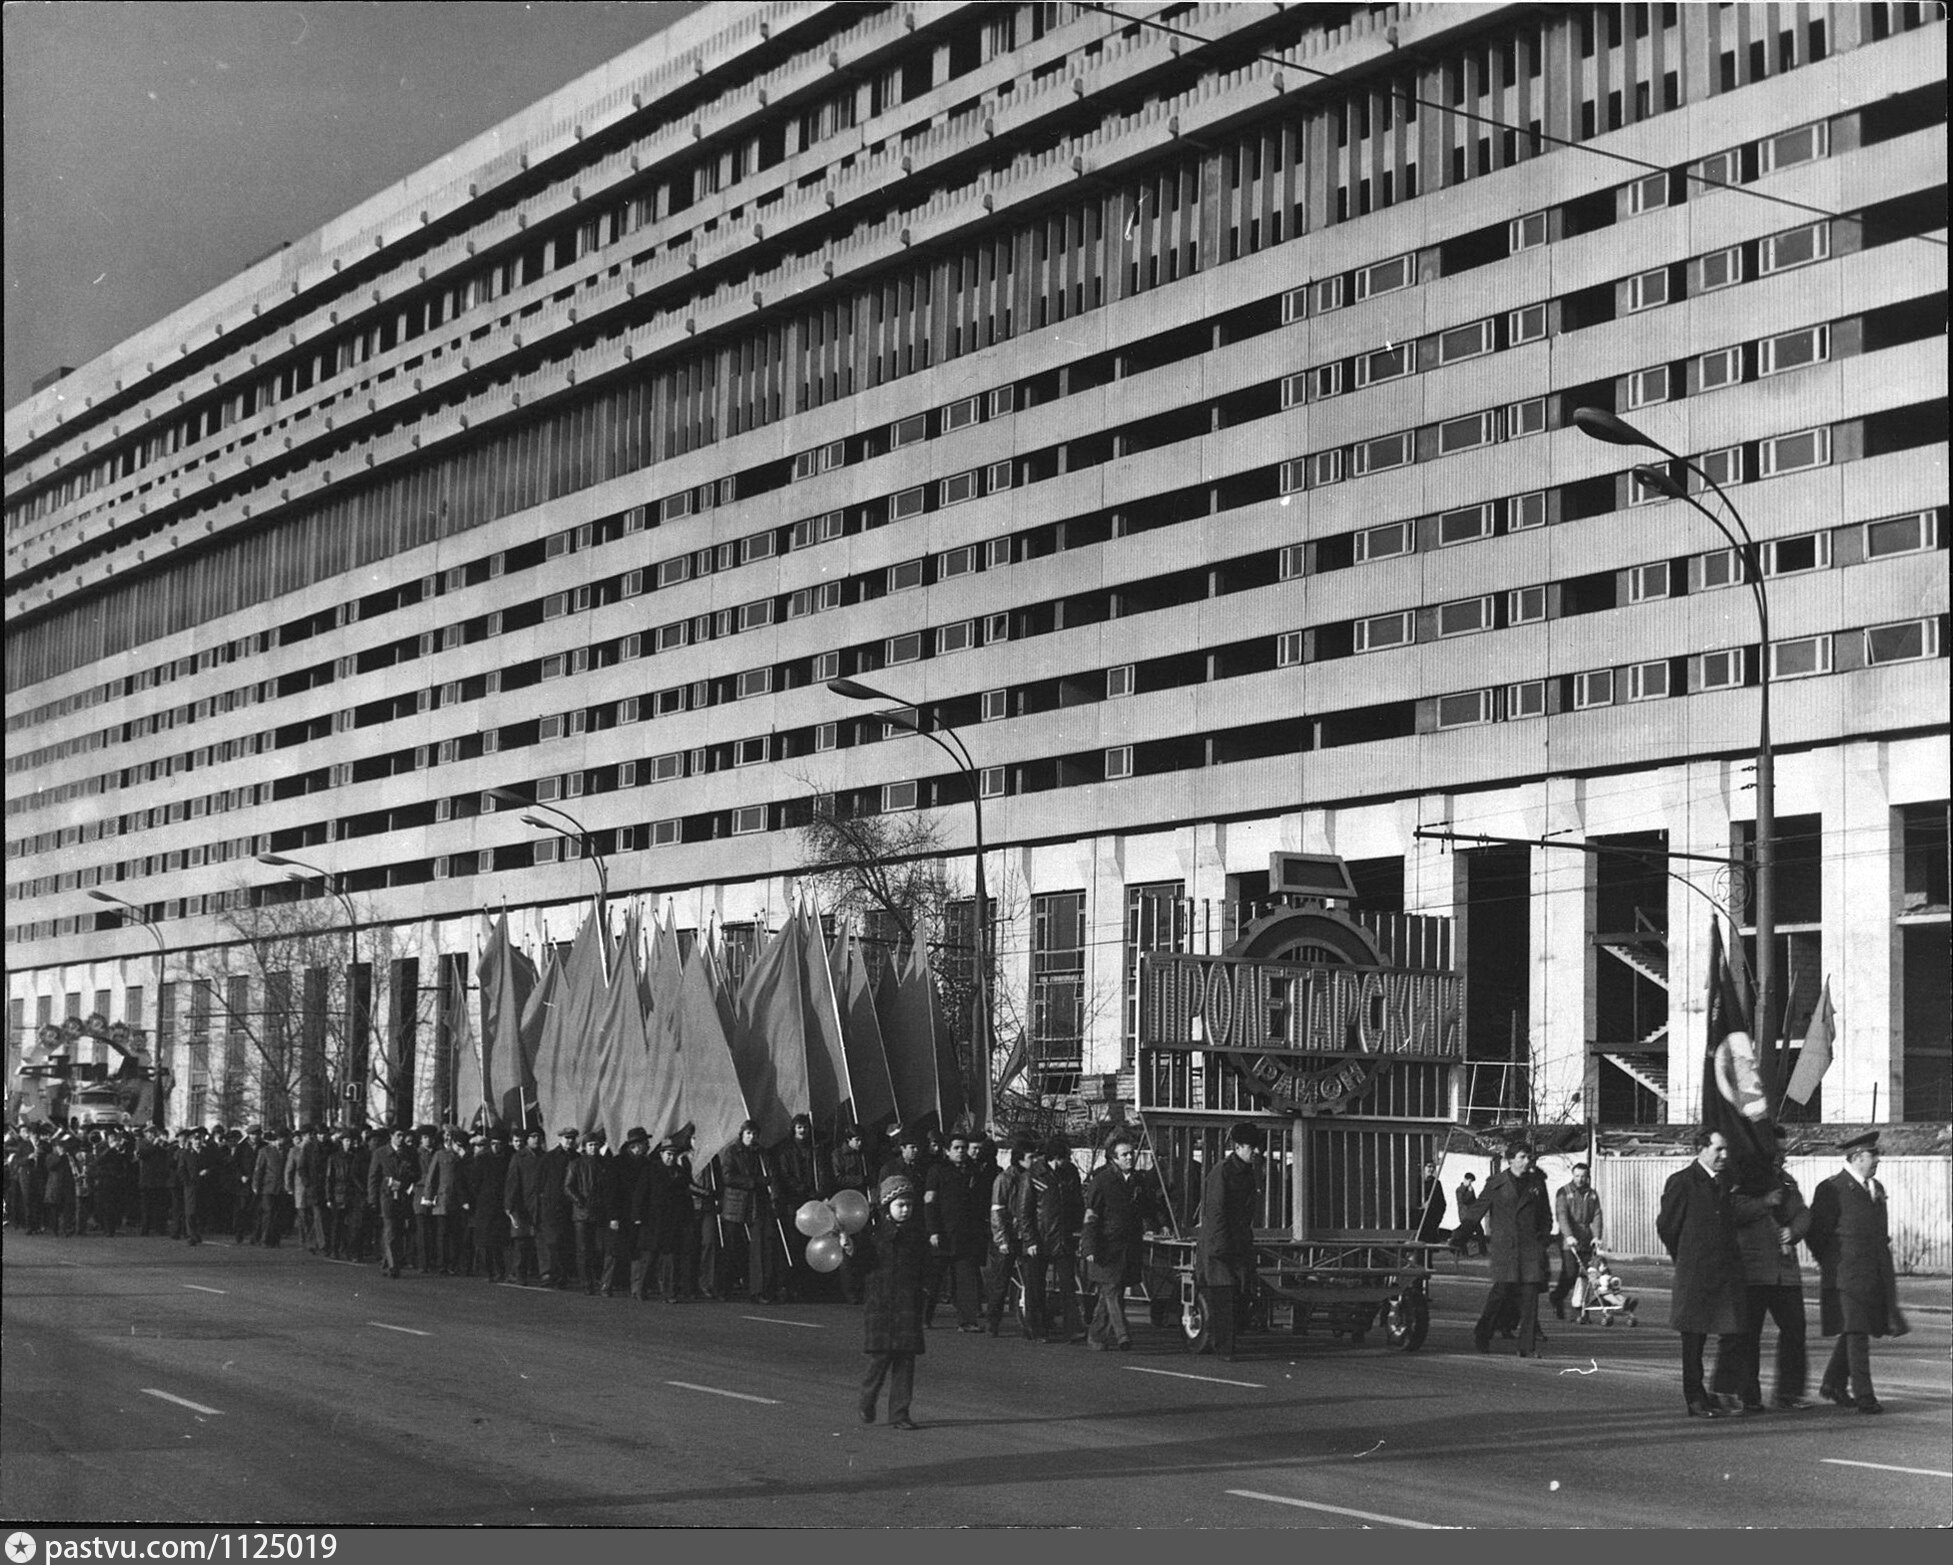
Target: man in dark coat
[(195, 1169), (1224, 1254), (952, 1217), (390, 1181), (1697, 1225), (1859, 1292), (245, 1216), (155, 1169), (661, 1211), (1118, 1205), (521, 1198), (1430, 1206), (268, 1187), (1770, 1218), (1518, 1211), (796, 1169), (555, 1224), (1470, 1231), (583, 1184), (488, 1215), (1006, 1244), (1061, 1217)]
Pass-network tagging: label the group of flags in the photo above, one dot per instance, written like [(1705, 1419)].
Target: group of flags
[(630, 1030), (1738, 1067)]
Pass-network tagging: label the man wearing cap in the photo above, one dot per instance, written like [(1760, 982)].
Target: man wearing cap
[(521, 1191), (488, 1215), (1224, 1255), (1859, 1291), (1061, 1215), (154, 1171), (583, 1184), (661, 1214), (245, 1216), (440, 1201), (390, 1187), (555, 1225), (1697, 1225)]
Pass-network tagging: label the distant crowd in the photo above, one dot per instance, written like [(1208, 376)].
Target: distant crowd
[(1012, 1231)]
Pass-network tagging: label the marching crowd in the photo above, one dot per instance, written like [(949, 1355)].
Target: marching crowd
[(1014, 1230)]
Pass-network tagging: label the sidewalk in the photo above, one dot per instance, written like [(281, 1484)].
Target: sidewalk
[(1917, 1295)]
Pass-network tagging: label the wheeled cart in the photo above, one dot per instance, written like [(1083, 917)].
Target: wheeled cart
[(1345, 1287)]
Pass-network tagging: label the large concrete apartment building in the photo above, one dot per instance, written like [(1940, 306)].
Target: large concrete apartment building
[(1174, 400)]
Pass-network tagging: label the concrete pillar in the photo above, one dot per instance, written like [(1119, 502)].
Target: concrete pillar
[(1862, 955), (1105, 957), (1561, 986)]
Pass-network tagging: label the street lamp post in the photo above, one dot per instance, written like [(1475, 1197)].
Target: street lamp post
[(1599, 424), (950, 742), (356, 1010), (162, 952), (581, 835)]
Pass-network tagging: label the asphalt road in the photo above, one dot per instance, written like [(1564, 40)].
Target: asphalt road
[(146, 1382)]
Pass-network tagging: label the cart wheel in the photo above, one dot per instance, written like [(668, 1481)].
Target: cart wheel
[(1195, 1325), (1406, 1320)]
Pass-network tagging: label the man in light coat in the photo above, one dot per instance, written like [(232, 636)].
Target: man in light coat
[(1859, 1295), (1697, 1225)]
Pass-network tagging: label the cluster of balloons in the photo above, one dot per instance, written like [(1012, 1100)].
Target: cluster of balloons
[(823, 1222)]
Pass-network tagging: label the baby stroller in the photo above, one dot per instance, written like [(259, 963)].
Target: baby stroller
[(1598, 1294)]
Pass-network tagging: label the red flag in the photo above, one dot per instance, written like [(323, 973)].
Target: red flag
[(710, 1100), (769, 1043), (869, 1071), (1814, 1059), (1733, 1099), (508, 978), (830, 1088), (569, 1054)]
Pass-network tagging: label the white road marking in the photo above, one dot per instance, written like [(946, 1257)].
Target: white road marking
[(775, 1320), (194, 1407), (1886, 1467), (1339, 1510), (1212, 1380), (407, 1329), (737, 1396), (198, 1287)]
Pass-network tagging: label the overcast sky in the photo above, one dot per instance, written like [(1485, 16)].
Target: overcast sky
[(157, 147)]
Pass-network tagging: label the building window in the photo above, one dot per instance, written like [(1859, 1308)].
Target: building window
[(1794, 453), (906, 574), (1119, 681), (1724, 367), (1648, 291), (1648, 195), (958, 636), (1799, 247), (748, 819), (1384, 631), (1526, 700), (1464, 434), (1793, 556), (1382, 543), (1118, 762), (1325, 467), (1720, 269), (1648, 582), (1794, 350), (1466, 710), (1527, 325), (1525, 605), (1156, 920), (994, 706), (1723, 467), (1526, 233), (1326, 380), (1386, 276), (1465, 342), (1902, 535), (1593, 689), (906, 504), (1905, 642), (1386, 363), (956, 562), (1528, 511), (1465, 525), (1383, 453), (1525, 418), (752, 682), (905, 648), (1723, 670), (1465, 617), (1800, 657), (990, 782), (1288, 649), (1646, 388), (907, 431), (897, 797), (961, 487), (1648, 681), (1058, 983), (1793, 147)]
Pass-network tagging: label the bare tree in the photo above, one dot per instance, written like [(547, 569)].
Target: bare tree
[(888, 875), (296, 1008)]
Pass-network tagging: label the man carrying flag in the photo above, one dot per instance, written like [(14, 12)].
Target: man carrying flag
[(1734, 1100)]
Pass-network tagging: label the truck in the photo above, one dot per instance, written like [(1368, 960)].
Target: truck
[(52, 1086)]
